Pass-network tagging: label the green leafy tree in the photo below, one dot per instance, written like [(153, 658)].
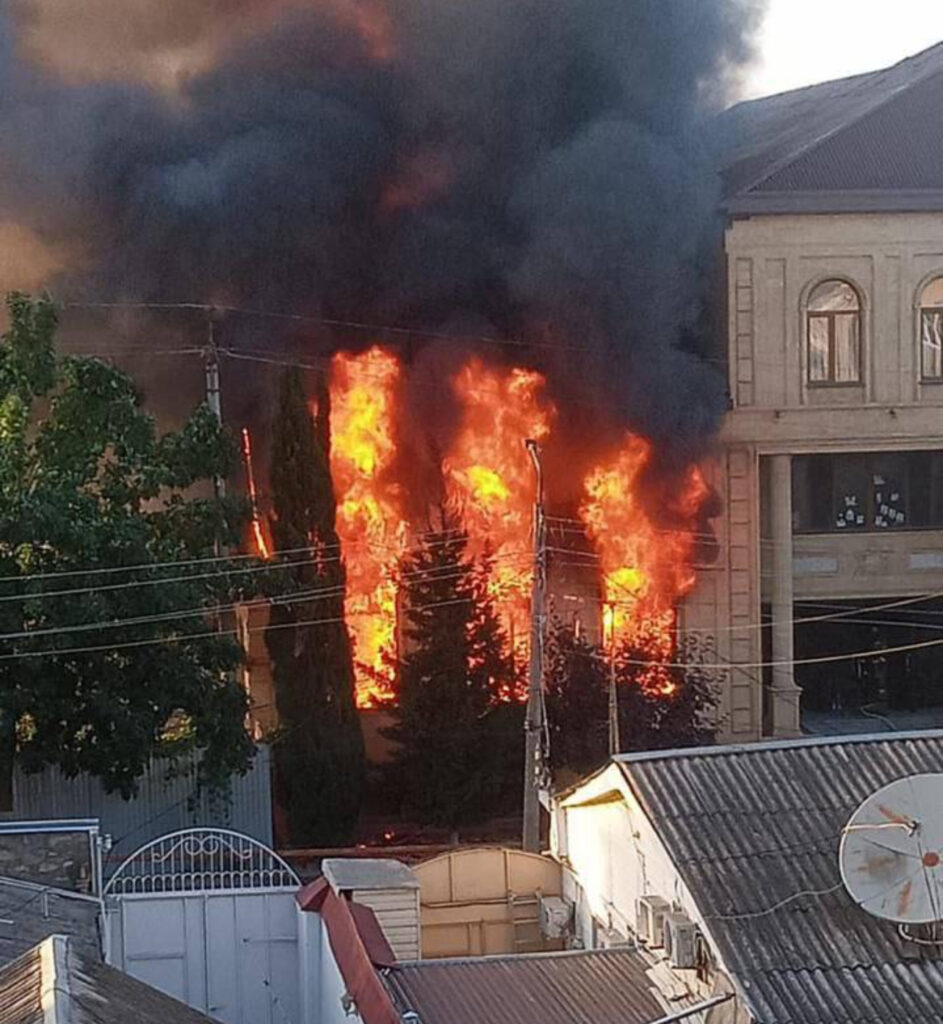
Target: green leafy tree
[(319, 755), (458, 747), (108, 655), (577, 680)]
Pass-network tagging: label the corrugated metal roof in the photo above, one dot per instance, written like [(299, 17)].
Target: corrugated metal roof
[(751, 826), (595, 987)]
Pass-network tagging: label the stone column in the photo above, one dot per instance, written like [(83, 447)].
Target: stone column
[(785, 693)]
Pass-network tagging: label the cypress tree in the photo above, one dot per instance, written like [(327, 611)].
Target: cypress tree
[(319, 755), (455, 752)]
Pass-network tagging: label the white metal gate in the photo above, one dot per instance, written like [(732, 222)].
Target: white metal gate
[(209, 916)]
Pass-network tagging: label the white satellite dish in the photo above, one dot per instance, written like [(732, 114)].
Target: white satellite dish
[(891, 853)]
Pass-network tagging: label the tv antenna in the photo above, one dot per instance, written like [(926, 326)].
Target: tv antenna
[(891, 852)]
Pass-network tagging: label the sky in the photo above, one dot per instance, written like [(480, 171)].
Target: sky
[(807, 41)]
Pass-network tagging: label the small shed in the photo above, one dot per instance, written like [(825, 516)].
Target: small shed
[(390, 889)]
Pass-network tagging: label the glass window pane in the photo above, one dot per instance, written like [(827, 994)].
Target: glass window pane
[(932, 295), (846, 348), (850, 509), (889, 505), (932, 335), (833, 297), (818, 348)]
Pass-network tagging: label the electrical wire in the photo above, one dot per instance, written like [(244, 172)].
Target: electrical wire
[(776, 906)]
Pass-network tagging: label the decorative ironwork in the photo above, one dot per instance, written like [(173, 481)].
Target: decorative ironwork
[(201, 860)]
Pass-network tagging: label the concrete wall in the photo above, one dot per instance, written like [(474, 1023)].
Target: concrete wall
[(322, 986)]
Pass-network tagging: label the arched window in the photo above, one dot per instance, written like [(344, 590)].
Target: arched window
[(834, 334), (931, 330)]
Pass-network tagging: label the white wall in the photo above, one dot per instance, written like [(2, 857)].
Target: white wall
[(322, 986)]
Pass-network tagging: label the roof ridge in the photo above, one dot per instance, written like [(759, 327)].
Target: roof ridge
[(871, 108), (765, 746), (55, 993)]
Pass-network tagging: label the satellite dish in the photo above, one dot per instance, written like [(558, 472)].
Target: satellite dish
[(891, 853)]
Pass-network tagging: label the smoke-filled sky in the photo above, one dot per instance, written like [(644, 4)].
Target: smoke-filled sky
[(536, 168)]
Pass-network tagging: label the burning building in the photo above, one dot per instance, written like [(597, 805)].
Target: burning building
[(484, 222)]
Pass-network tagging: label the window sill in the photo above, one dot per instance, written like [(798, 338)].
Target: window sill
[(828, 385)]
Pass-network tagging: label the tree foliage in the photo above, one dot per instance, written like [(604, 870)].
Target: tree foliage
[(98, 659), (319, 755), (577, 678), (458, 753)]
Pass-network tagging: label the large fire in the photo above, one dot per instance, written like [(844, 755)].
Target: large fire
[(646, 566), (645, 560), (370, 523), (490, 475)]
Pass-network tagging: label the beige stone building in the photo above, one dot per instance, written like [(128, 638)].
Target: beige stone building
[(831, 456)]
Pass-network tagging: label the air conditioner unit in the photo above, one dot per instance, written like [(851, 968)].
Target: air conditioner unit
[(555, 916), (650, 914), (680, 940)]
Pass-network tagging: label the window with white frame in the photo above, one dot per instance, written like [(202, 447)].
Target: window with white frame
[(833, 322), (931, 330)]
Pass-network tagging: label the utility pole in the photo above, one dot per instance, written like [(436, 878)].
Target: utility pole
[(534, 720), (211, 369), (613, 693)]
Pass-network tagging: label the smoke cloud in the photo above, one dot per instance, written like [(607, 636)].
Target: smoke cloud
[(536, 168)]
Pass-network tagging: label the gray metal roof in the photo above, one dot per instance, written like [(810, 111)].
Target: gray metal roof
[(595, 987), (868, 142), (54, 981), (751, 826)]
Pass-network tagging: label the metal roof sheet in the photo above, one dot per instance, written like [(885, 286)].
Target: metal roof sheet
[(594, 987), (751, 827)]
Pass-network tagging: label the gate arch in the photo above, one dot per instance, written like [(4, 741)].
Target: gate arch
[(201, 860)]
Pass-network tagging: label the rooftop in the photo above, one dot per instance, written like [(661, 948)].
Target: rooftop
[(595, 987), (53, 981), (870, 142), (754, 831), (30, 913), (368, 873)]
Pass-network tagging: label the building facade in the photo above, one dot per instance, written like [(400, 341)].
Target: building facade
[(831, 456)]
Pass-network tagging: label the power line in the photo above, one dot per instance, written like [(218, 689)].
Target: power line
[(353, 325)]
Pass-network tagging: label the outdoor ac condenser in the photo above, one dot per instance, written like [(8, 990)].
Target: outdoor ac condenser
[(680, 940), (555, 916), (650, 914)]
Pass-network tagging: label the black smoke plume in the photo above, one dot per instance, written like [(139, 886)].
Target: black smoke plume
[(525, 168)]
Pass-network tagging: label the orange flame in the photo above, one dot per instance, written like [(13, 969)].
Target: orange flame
[(646, 569), (258, 534), (370, 524), (491, 478)]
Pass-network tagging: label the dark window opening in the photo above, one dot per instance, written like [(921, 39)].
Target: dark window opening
[(874, 492), (901, 680)]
